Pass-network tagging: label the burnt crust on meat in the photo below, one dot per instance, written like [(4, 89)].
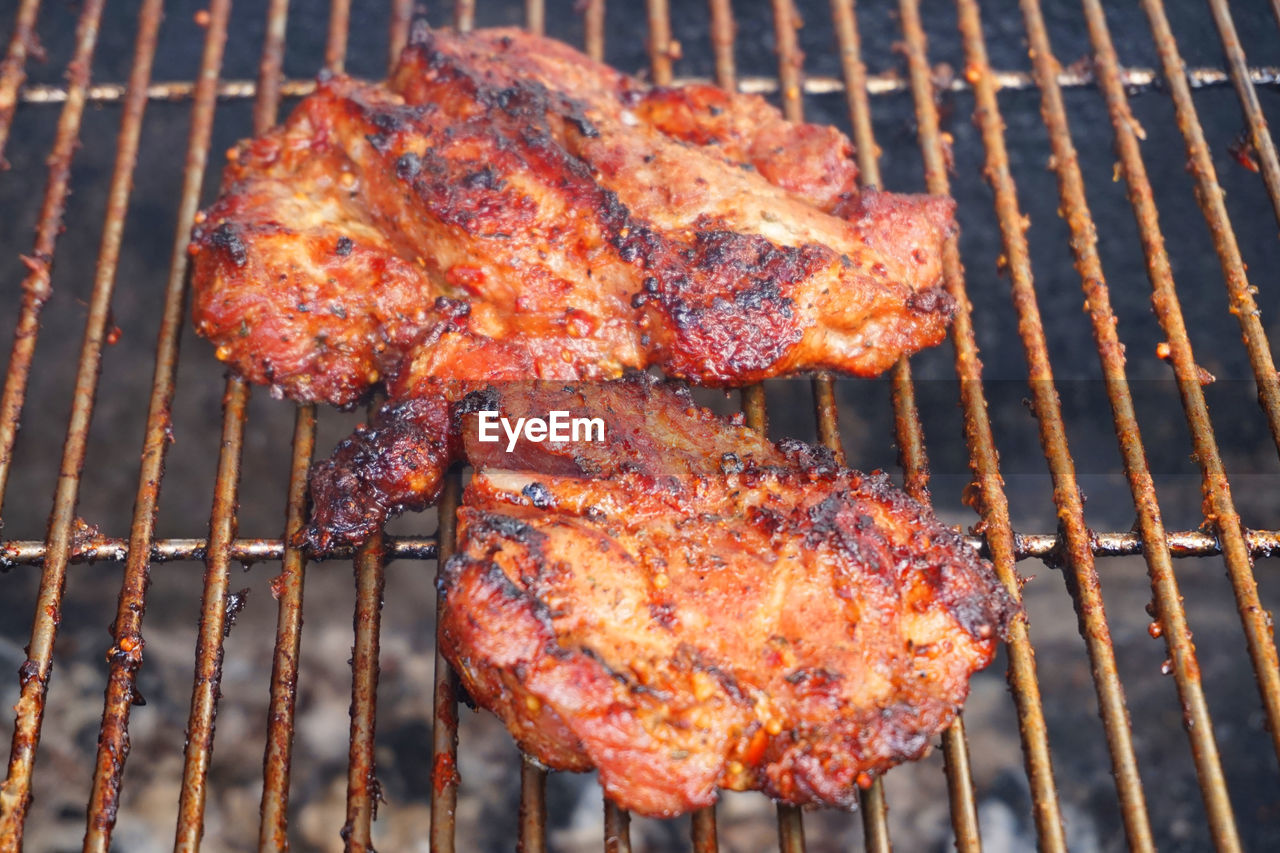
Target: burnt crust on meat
[(394, 464), (587, 222)]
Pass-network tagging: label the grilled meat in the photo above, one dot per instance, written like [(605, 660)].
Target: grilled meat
[(685, 605), (682, 605), (504, 207), (396, 463)]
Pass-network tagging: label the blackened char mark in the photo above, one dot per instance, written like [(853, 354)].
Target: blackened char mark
[(539, 495), (813, 459), (457, 177), (390, 121), (526, 100), (726, 297), (529, 100), (396, 463), (846, 522), (524, 548), (455, 311), (225, 238), (408, 166), (481, 400), (815, 682), (499, 591), (532, 128), (839, 523), (486, 178), (492, 529), (458, 188), (933, 300)]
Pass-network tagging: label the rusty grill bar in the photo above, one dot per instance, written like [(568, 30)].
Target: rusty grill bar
[(1136, 80), (1075, 546), (1027, 546)]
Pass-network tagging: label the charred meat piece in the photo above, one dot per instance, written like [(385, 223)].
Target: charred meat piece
[(395, 463), (506, 207), (685, 606)]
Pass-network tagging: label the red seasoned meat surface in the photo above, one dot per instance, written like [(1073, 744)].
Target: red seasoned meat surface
[(686, 606), (505, 207)]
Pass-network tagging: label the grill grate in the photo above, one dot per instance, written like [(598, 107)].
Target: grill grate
[(1075, 547)]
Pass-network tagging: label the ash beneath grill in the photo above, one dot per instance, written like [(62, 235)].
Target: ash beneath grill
[(489, 766)]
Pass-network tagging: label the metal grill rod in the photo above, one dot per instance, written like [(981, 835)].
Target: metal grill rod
[(1164, 584), (62, 519), (277, 762), (662, 50), (14, 68), (206, 688), (535, 17), (532, 832), (875, 828), (1027, 546), (1082, 579), (158, 420), (363, 792), (444, 717), (908, 433), (723, 32), (335, 46), (277, 759), (32, 552), (617, 833), (723, 42), (790, 820), (617, 821), (464, 15), (444, 788), (1137, 80), (593, 29), (398, 36), (127, 648), (993, 503), (1212, 204), (1238, 67), (533, 806), (704, 835), (15, 792), (1219, 504), (36, 284)]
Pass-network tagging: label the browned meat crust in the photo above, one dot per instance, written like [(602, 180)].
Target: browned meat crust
[(505, 207), (396, 463), (813, 161), (686, 606)]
